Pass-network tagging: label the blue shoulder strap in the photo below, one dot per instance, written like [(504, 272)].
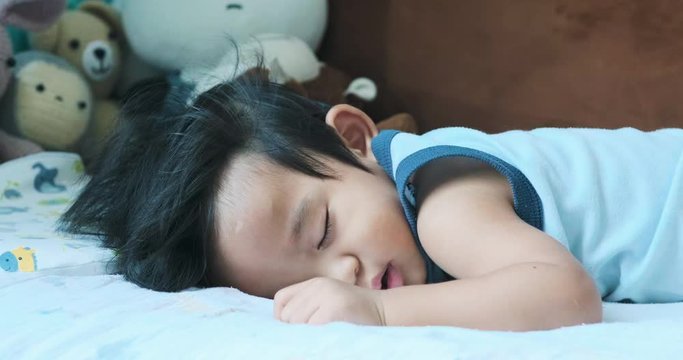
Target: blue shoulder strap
[(527, 203)]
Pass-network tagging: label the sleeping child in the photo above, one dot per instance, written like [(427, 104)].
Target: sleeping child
[(255, 187)]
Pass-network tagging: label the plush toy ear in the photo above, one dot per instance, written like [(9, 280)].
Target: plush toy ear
[(32, 15), (106, 13), (46, 40)]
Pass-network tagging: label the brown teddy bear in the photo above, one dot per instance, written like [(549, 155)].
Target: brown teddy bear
[(91, 39)]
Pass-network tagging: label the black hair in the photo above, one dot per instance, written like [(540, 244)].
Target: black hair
[(152, 192)]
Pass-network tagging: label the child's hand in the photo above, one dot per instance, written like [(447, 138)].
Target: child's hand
[(321, 300)]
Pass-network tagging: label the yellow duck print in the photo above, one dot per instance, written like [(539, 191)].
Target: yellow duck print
[(20, 259)]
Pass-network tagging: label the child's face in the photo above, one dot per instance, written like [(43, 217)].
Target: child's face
[(271, 221)]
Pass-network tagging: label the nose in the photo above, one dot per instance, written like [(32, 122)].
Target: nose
[(346, 269), (100, 53)]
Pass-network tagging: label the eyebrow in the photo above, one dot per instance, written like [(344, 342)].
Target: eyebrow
[(300, 215)]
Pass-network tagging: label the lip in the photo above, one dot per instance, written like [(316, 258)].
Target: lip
[(394, 278), (376, 283)]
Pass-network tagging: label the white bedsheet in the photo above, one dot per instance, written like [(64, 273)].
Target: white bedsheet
[(64, 306), (102, 316)]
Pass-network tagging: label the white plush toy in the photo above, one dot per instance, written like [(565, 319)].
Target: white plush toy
[(287, 58), (182, 35)]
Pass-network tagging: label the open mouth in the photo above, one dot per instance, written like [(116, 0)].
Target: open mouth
[(385, 279), (390, 278)]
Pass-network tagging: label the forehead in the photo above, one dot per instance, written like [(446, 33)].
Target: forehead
[(249, 183), (253, 180), (253, 208)]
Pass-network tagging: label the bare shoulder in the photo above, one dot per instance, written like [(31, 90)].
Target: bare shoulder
[(462, 175), (467, 223)]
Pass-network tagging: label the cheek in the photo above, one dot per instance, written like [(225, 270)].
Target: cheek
[(370, 204), (397, 229), (259, 266), (247, 271), (390, 224), (382, 222)]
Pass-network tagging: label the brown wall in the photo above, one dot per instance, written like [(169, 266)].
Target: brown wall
[(500, 64)]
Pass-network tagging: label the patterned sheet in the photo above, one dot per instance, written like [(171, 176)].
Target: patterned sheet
[(34, 191)]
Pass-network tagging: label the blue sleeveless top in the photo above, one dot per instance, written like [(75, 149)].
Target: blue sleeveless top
[(613, 198)]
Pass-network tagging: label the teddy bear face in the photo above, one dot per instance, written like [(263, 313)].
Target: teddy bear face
[(44, 88), (89, 41), (199, 33), (96, 51)]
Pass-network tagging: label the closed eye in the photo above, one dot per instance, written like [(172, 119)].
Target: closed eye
[(325, 240), (234, 7)]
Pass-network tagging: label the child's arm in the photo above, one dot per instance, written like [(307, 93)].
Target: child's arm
[(511, 275)]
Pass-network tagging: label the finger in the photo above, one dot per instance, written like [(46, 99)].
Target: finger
[(299, 312), (285, 295), (320, 317), (300, 306)]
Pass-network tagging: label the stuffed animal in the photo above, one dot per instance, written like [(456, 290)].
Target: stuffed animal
[(290, 61), (197, 34), (91, 38), (197, 40), (32, 15), (334, 86), (48, 101), (20, 36), (286, 57)]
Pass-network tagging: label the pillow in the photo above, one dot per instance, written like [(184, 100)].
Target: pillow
[(34, 191)]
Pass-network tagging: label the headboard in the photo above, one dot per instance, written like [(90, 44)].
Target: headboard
[(498, 64)]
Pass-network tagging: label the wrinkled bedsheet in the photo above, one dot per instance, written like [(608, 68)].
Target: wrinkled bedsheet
[(61, 303)]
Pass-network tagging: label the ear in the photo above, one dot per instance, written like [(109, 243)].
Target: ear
[(106, 13), (354, 126), (46, 40), (32, 15)]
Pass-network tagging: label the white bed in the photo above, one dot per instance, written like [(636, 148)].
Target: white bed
[(70, 308)]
